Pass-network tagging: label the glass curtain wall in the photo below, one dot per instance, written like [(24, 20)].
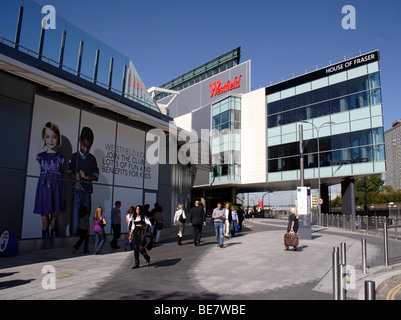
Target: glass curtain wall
[(226, 140), (354, 147), (70, 49), (348, 95)]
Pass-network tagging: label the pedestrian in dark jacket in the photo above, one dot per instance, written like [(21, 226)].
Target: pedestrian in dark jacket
[(197, 218)]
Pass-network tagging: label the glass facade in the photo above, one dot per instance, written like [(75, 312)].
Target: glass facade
[(343, 110), (347, 148), (226, 140), (347, 95), (72, 50)]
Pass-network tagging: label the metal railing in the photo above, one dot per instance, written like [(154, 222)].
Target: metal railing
[(372, 225), (386, 228)]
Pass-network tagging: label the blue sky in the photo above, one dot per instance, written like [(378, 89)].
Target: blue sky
[(166, 38)]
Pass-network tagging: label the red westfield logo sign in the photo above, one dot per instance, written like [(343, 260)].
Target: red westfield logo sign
[(216, 88)]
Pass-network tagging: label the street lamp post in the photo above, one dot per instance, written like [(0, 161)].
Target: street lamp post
[(318, 162)]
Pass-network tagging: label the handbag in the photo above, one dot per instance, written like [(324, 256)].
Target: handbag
[(101, 223), (182, 219)]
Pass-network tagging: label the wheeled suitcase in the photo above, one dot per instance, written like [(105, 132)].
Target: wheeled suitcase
[(291, 239)]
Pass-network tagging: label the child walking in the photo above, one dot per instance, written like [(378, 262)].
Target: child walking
[(49, 199)]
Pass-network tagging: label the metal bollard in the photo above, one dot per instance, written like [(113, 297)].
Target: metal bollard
[(385, 244), (370, 290), (364, 266), (336, 280), (343, 253), (343, 281)]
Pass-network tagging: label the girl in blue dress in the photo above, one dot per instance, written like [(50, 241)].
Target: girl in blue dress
[(49, 200)]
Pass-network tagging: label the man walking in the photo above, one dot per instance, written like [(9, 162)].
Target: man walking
[(219, 218), (116, 224), (197, 218), (227, 221)]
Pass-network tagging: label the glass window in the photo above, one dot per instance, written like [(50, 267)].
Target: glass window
[(272, 121), (301, 114), (341, 141), (237, 115), (378, 153), (321, 109), (326, 159), (310, 146), (362, 154), (225, 116), (338, 90), (377, 135), (290, 163), (325, 144), (359, 100), (321, 94), (274, 165), (304, 99), (361, 138), (216, 121), (288, 117), (375, 96), (310, 161), (358, 84), (224, 170), (274, 107), (339, 105), (288, 104), (374, 80)]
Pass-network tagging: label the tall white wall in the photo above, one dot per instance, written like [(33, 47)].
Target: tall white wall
[(253, 137)]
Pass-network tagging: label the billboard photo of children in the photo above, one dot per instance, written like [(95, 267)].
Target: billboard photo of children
[(83, 170), (50, 197)]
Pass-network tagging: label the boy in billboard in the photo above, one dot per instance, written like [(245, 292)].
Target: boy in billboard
[(49, 198), (84, 170)]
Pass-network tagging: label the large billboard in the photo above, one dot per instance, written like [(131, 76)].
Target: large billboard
[(78, 158)]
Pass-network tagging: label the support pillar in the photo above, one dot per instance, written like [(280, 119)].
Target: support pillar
[(348, 197), (324, 194)]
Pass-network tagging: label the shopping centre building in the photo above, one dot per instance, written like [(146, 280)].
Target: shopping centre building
[(255, 136), (65, 82)]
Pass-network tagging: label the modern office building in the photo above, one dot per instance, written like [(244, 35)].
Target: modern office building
[(393, 155), (65, 83), (255, 138)]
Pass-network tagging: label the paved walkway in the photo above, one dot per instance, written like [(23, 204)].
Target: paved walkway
[(251, 266)]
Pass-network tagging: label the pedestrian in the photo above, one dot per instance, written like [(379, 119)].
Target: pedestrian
[(100, 235), (128, 220), (179, 222), (292, 226), (227, 221), (159, 221), (138, 233), (234, 221), (197, 218), (219, 218), (83, 230), (241, 218), (116, 225)]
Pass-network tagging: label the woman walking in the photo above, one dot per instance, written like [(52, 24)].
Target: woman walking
[(138, 235), (292, 230), (128, 220), (100, 234), (179, 222)]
